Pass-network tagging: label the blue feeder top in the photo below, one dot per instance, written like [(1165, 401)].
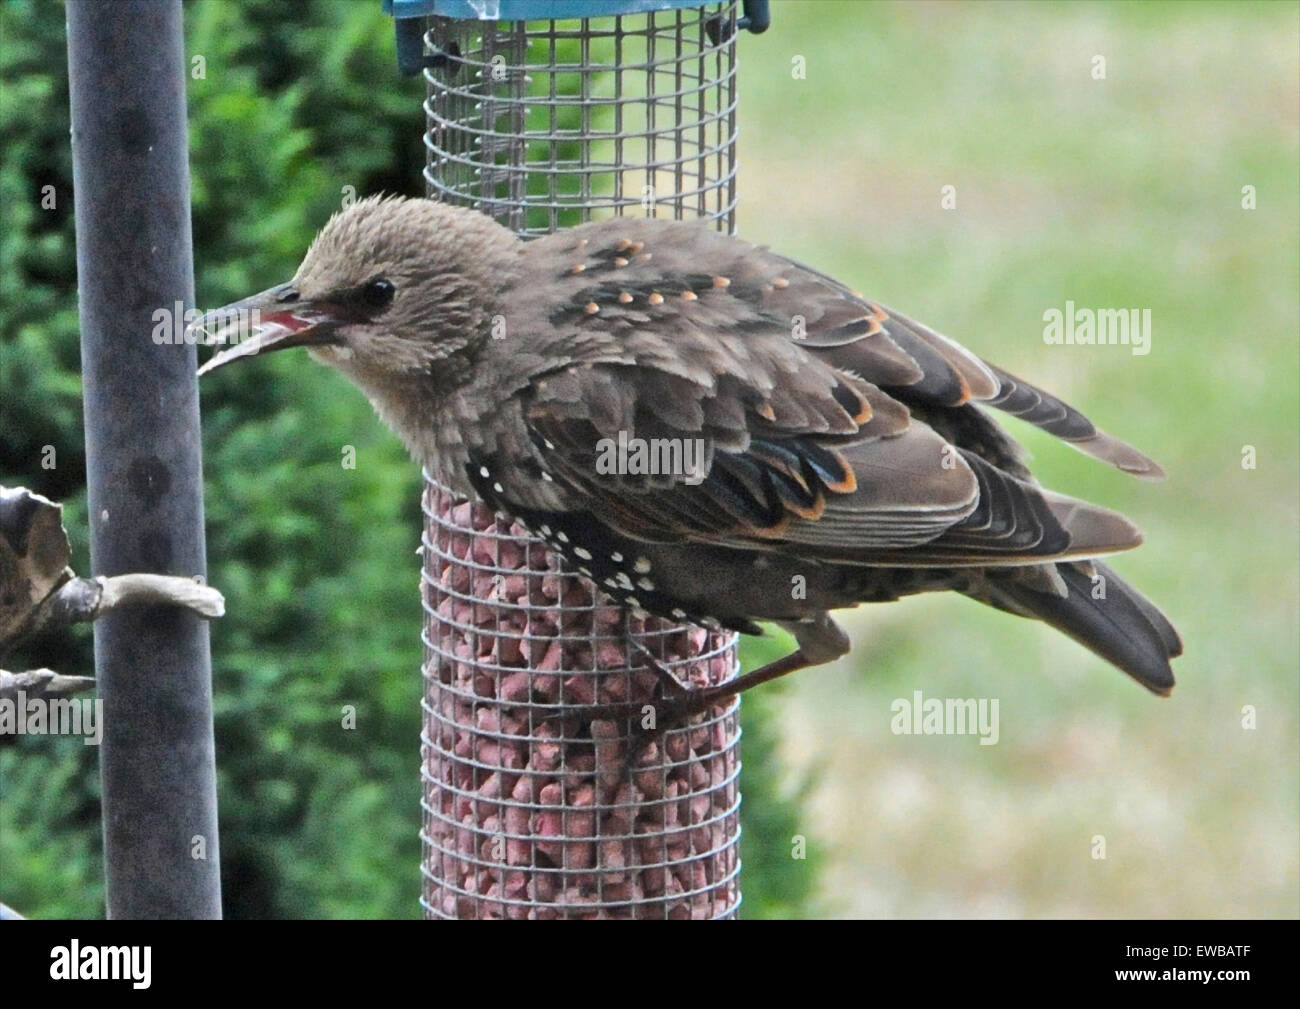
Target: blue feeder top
[(534, 10), (410, 43)]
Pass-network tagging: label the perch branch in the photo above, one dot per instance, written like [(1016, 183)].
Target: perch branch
[(40, 684)]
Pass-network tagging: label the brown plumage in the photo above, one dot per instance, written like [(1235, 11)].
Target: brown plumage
[(844, 452)]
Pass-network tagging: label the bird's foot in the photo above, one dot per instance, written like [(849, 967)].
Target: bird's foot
[(672, 706)]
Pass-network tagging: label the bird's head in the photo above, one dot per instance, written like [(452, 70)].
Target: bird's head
[(389, 289)]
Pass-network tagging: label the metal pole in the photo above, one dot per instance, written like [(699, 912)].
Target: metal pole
[(126, 65)]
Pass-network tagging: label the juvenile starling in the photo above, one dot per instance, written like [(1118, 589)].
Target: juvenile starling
[(822, 450)]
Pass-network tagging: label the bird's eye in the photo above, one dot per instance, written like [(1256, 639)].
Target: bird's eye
[(378, 293)]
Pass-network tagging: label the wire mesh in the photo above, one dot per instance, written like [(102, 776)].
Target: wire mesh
[(530, 809), (546, 124)]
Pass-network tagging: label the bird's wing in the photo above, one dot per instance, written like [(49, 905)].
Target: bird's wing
[(742, 289), (659, 456), (819, 422), (893, 492), (876, 340)]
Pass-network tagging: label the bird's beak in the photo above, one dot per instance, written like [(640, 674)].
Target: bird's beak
[(276, 319)]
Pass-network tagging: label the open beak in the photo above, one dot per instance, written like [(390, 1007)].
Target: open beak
[(274, 320)]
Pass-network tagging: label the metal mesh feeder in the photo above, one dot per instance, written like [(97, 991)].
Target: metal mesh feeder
[(532, 812), (532, 809)]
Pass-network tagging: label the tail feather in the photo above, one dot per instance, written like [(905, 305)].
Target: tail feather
[(1104, 614)]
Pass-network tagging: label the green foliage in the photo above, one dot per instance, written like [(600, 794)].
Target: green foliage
[(777, 883), (316, 561), (49, 788)]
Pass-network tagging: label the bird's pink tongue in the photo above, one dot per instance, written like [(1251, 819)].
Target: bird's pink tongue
[(273, 331), (289, 321)]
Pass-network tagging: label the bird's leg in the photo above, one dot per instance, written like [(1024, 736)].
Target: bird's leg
[(700, 699), (669, 692), (665, 713), (671, 712), (819, 640), (669, 684)]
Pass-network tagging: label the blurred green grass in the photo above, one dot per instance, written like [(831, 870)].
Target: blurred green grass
[(1122, 192)]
